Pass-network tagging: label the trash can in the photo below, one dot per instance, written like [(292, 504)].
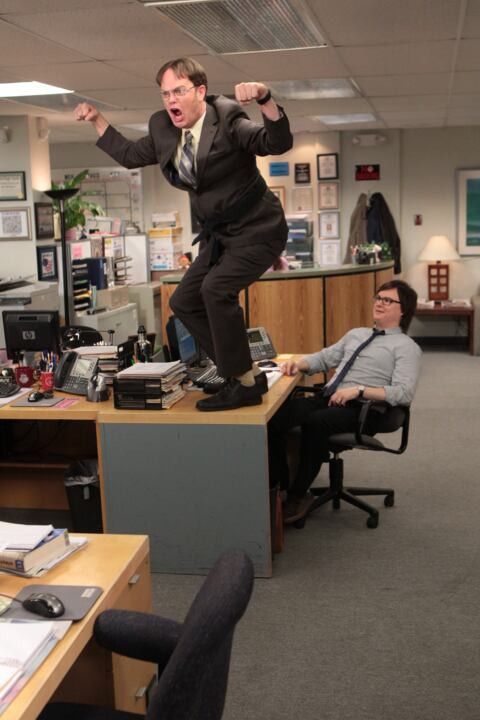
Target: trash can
[(83, 493)]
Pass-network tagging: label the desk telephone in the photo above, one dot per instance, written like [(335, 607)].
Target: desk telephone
[(261, 346), (73, 373)]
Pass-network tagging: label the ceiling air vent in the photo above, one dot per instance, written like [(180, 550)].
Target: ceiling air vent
[(240, 26)]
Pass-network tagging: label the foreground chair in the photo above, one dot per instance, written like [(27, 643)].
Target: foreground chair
[(387, 419), (193, 657)]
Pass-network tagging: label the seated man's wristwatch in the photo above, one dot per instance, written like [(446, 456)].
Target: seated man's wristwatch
[(361, 390)]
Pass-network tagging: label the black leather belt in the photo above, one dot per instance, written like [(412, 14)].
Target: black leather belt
[(230, 214)]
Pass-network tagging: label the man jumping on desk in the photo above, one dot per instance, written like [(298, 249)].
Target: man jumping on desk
[(207, 145), (382, 364)]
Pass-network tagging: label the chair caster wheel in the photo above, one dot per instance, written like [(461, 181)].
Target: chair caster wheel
[(389, 500), (372, 521), (299, 524)]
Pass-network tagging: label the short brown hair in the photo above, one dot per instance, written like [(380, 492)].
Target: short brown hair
[(407, 297), (184, 67)]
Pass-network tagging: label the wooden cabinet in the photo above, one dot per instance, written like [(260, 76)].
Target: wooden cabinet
[(292, 312), (348, 304)]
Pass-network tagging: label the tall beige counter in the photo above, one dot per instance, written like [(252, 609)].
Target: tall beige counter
[(305, 310)]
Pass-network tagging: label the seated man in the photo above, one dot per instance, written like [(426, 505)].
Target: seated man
[(381, 365)]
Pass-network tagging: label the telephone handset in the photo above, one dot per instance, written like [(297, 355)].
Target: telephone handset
[(74, 371), (261, 346)]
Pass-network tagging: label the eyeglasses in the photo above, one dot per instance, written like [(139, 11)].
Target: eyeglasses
[(385, 300), (176, 92)]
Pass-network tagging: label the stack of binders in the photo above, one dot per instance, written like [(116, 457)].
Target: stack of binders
[(149, 386)]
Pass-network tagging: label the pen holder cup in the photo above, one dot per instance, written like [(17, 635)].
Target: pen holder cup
[(47, 380), (24, 376)]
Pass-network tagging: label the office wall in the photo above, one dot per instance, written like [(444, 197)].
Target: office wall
[(26, 152)]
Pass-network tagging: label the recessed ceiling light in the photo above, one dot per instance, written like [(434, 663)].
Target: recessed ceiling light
[(345, 119), (28, 89), (313, 89)]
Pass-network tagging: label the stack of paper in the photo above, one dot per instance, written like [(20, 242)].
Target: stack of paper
[(23, 646), (150, 385)]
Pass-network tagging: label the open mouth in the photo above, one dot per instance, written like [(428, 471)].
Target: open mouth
[(176, 113)]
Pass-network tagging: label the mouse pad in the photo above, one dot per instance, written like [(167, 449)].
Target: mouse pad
[(77, 599), (46, 402)]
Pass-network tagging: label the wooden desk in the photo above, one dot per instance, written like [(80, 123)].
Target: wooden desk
[(196, 483), (77, 669), (451, 311)]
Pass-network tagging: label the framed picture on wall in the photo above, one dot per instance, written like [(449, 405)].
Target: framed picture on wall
[(47, 267), (327, 196), (44, 229), (327, 166), (329, 224), (12, 186), (468, 216), (14, 224), (279, 191), (302, 199)]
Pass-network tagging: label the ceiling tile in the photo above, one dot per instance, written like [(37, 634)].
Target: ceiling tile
[(288, 64), (409, 102), (466, 82), (77, 76), (365, 22), (133, 97), (23, 48), (468, 55), (471, 28), (338, 106), (428, 84), (402, 59)]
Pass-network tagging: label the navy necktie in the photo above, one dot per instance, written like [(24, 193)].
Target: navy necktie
[(333, 385), (186, 168)]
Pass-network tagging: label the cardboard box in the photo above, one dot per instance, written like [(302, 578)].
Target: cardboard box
[(173, 234), (112, 298)]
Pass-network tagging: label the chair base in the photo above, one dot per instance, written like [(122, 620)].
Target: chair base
[(336, 492)]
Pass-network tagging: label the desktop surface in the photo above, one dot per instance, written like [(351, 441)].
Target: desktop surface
[(108, 561)]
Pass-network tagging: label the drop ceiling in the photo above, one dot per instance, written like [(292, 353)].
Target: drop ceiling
[(413, 64)]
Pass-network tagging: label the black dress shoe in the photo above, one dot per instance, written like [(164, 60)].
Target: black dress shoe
[(260, 381), (232, 395)]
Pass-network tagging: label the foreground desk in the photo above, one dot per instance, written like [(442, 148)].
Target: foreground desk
[(77, 669), (196, 483)]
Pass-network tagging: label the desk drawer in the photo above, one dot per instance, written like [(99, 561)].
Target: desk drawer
[(137, 595)]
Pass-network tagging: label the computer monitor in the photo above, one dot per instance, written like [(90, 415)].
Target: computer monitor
[(182, 344), (30, 331)]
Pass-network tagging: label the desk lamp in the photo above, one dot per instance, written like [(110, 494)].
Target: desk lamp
[(62, 194), (438, 249)]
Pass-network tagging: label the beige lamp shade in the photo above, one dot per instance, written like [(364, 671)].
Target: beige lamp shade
[(438, 248)]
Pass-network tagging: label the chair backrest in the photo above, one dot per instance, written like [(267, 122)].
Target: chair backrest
[(194, 683)]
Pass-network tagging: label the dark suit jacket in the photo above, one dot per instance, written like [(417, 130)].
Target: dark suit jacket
[(225, 164)]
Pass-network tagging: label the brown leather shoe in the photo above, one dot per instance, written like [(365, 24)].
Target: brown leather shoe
[(260, 381), (297, 508), (232, 395)]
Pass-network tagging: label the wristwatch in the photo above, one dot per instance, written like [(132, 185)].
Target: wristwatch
[(361, 390)]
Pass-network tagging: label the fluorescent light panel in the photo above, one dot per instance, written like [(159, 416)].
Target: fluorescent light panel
[(29, 89), (345, 119), (313, 89), (234, 26)]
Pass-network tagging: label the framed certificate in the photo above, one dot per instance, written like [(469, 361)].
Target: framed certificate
[(327, 196), (14, 224), (12, 186), (47, 268), (329, 224), (44, 229), (302, 199), (279, 192), (329, 252), (327, 166)]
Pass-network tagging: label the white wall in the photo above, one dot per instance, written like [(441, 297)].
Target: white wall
[(27, 153)]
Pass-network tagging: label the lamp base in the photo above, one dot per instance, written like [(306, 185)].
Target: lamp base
[(438, 282)]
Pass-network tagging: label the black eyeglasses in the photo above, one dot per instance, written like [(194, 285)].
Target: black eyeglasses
[(385, 300)]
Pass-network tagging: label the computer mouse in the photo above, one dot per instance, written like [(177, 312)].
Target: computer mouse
[(49, 606), (36, 395), (267, 363)]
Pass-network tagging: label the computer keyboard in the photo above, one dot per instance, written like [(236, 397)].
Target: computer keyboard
[(8, 388)]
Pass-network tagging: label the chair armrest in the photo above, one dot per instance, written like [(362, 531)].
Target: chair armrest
[(138, 635), (396, 416)]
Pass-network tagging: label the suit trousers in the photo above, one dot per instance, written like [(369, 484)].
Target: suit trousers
[(317, 422), (207, 300)]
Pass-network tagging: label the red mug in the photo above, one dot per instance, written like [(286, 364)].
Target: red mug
[(47, 380), (24, 376)]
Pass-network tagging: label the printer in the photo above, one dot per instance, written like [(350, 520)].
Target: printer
[(25, 294)]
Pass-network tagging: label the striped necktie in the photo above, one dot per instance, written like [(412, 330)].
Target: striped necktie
[(335, 382), (186, 168)]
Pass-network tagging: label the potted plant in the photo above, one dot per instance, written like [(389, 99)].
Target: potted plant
[(76, 206)]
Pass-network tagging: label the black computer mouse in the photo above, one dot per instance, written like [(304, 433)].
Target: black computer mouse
[(49, 606), (267, 363), (36, 395)]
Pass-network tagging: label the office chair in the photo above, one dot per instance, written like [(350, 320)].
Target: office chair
[(193, 657), (388, 419)]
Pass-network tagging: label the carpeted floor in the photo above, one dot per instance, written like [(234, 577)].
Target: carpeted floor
[(361, 624)]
